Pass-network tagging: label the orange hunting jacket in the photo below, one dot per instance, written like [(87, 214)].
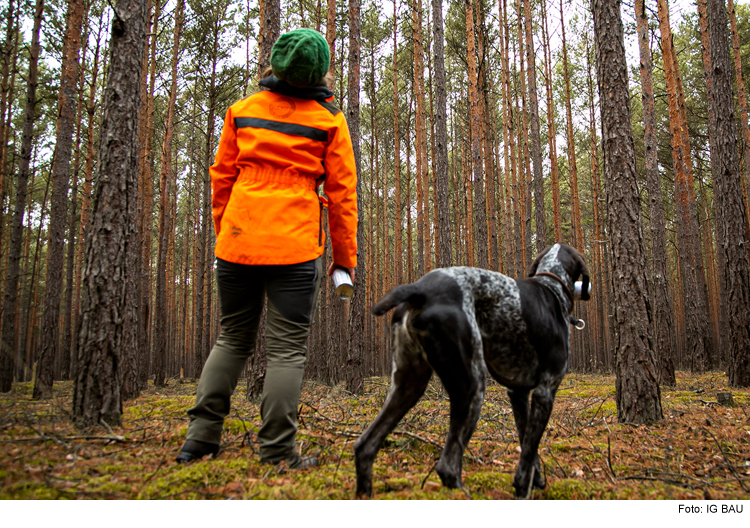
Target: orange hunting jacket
[(276, 148)]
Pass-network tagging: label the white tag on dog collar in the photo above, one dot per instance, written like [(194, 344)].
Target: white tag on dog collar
[(578, 290)]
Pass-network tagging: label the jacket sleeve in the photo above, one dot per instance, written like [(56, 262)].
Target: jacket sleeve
[(224, 171), (341, 189)]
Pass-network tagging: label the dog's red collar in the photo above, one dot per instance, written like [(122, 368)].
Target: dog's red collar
[(558, 279)]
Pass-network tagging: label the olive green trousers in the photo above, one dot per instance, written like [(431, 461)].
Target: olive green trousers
[(292, 291)]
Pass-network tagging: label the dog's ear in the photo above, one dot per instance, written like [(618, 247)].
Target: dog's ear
[(535, 264), (584, 271)]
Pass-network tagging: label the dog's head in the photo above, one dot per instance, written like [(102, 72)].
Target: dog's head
[(565, 262)]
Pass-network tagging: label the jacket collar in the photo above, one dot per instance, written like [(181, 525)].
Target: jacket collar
[(316, 93)]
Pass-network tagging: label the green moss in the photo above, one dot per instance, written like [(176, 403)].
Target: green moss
[(573, 489), (236, 426), (30, 490), (397, 484), (488, 480), (113, 469)]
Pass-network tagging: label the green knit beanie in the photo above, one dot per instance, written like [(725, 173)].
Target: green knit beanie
[(300, 57)]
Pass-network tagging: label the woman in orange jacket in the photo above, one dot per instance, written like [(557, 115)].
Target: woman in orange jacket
[(277, 148)]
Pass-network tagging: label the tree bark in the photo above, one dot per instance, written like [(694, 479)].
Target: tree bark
[(575, 206), (356, 346), (70, 266), (66, 108), (637, 390), (744, 123), (9, 329), (663, 330), (84, 224), (108, 325), (270, 28), (691, 262), (727, 184), (536, 141), (551, 131), (145, 193), (420, 144), (398, 226), (445, 256), (165, 182), (480, 222), (9, 60)]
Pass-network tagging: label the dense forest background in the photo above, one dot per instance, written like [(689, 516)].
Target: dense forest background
[(523, 170)]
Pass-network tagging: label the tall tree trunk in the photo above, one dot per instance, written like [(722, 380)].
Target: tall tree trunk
[(9, 60), (575, 206), (70, 266), (691, 263), (601, 297), (663, 330), (270, 28), (445, 256), (28, 306), (485, 104), (637, 389), (480, 223), (514, 265), (9, 328), (398, 226), (420, 143), (146, 204), (536, 141), (356, 346), (524, 161), (331, 34), (108, 326), (84, 224), (742, 101), (66, 108), (715, 169), (727, 184), (165, 182), (409, 233), (551, 130)]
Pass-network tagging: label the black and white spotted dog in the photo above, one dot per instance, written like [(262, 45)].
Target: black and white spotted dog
[(460, 321)]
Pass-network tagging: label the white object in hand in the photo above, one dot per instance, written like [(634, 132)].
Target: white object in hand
[(342, 282)]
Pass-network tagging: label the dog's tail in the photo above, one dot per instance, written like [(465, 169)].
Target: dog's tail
[(409, 293)]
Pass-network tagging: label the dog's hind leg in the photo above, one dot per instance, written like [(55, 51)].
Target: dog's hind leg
[(519, 400), (411, 374), (450, 349), (466, 403), (541, 407)]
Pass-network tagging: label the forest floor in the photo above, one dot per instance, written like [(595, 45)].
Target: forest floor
[(700, 450)]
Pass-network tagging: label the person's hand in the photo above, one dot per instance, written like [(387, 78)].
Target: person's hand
[(333, 267)]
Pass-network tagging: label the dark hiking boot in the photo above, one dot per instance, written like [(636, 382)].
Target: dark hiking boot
[(195, 450)]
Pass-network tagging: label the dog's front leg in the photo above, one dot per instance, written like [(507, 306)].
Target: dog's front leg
[(541, 407), (409, 381)]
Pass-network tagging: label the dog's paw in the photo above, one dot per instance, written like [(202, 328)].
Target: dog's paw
[(522, 480), (364, 488), (449, 478)]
